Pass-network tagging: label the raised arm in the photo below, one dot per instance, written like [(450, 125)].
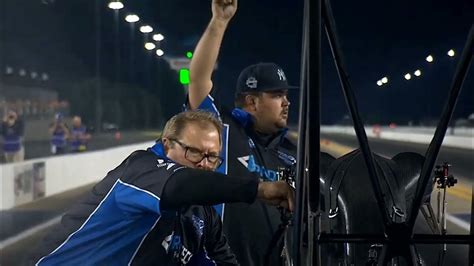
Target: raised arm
[(207, 50)]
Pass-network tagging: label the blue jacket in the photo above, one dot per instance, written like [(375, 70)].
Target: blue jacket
[(122, 222), (12, 136)]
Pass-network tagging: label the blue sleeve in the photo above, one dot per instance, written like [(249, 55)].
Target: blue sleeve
[(133, 200), (208, 104), (143, 194)]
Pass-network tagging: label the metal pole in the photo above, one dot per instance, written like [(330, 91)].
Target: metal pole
[(301, 156), (117, 47), (98, 85), (313, 124), (118, 89), (3, 22), (314, 109), (132, 54)]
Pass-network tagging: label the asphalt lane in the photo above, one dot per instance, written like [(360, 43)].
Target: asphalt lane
[(462, 160)]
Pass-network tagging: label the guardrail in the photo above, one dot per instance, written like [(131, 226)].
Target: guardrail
[(462, 137)]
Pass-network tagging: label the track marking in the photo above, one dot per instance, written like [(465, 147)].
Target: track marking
[(27, 233)]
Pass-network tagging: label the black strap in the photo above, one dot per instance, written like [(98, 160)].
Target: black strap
[(336, 175)]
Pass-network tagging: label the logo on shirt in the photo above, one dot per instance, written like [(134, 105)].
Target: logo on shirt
[(160, 162), (250, 163), (176, 249), (288, 159), (198, 225), (251, 144), (163, 163)]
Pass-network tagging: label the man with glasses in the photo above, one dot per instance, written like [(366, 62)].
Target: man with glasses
[(154, 208), (255, 141)]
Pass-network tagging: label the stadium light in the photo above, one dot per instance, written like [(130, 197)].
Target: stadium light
[(429, 58), (116, 5), (132, 18), (150, 46), (159, 52), (384, 80), (417, 73), (158, 37), (146, 29), (407, 76), (451, 53), (379, 83)]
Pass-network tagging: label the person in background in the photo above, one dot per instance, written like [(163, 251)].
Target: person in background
[(78, 137), (12, 131), (59, 134)]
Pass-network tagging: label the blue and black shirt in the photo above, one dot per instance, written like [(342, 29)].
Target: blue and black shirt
[(148, 211)]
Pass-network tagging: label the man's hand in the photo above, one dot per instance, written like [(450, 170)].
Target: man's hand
[(276, 193), (224, 10)]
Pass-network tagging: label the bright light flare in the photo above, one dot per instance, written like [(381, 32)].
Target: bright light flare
[(158, 37), (451, 53), (150, 46), (159, 52), (132, 18), (146, 29), (115, 5)]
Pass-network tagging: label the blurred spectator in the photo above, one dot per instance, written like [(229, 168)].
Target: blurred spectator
[(12, 132), (59, 135), (78, 137)]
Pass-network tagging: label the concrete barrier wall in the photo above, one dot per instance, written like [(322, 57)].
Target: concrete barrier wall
[(462, 138), (26, 181)]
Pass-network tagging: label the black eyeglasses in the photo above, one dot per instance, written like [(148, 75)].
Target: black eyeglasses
[(195, 155)]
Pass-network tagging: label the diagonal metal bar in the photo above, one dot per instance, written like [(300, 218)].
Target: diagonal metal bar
[(435, 145), (330, 27), (314, 102), (313, 126), (302, 143)]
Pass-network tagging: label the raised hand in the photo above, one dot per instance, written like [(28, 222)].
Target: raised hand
[(224, 9)]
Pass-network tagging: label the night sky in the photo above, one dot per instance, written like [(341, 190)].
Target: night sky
[(379, 38)]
